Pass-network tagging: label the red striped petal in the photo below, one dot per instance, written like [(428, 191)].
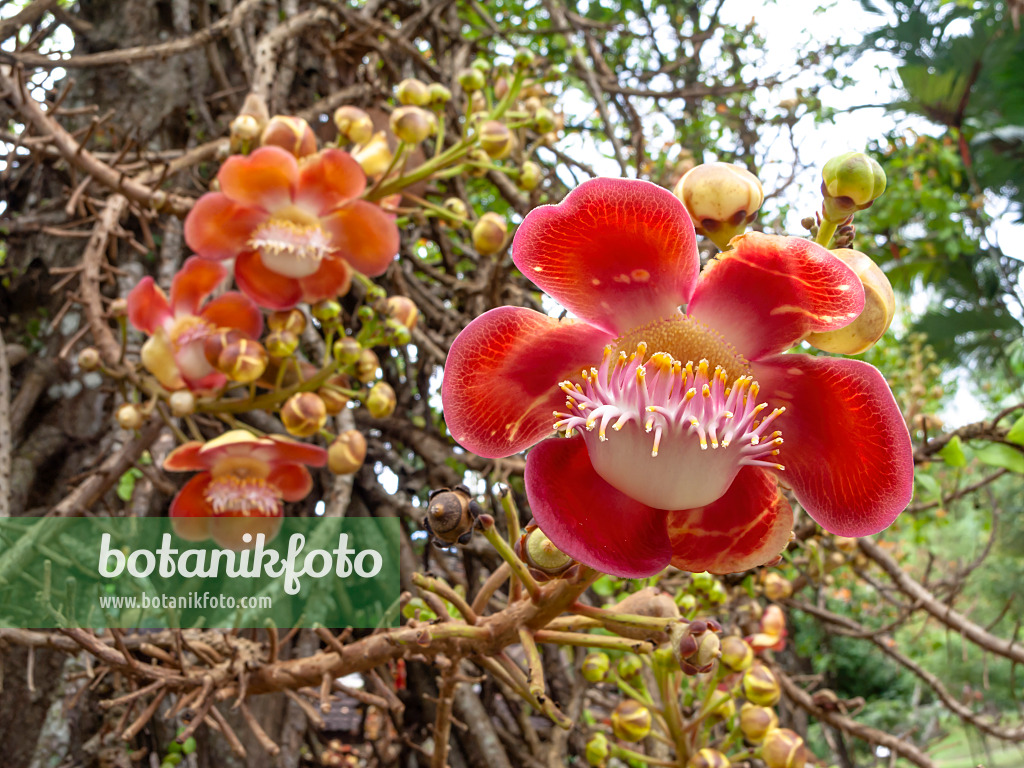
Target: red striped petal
[(266, 179), (267, 288), (196, 280), (234, 310), (218, 228), (147, 306), (365, 236), (749, 526), (617, 253)]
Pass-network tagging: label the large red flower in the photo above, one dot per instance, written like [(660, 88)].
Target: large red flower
[(240, 476), (295, 225), (676, 419), (174, 350)]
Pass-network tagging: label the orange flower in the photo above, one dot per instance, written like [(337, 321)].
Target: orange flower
[(295, 225)]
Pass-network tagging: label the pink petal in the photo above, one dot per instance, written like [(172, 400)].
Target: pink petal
[(234, 310), (847, 450), (588, 519), (364, 235), (617, 253), (768, 292), (147, 306), (265, 179), (333, 279), (211, 382), (286, 450), (190, 512), (328, 180), (264, 286), (292, 480), (196, 280), (218, 228), (749, 526), (186, 458), (500, 386)]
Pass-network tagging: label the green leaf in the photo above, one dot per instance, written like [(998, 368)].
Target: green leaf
[(1016, 433), (126, 484), (953, 453), (929, 484), (999, 455)]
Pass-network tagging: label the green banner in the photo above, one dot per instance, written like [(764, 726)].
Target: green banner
[(95, 573)]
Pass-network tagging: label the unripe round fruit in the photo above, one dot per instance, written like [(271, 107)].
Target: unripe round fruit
[(89, 359), (414, 92), (595, 667), (182, 402), (631, 721), (366, 366), (721, 198), (412, 124), (783, 748), (708, 758), (354, 124), (347, 452), (874, 319), (304, 414), (293, 320), (130, 417), (347, 350), (489, 234), (290, 133), (381, 401), (760, 686)]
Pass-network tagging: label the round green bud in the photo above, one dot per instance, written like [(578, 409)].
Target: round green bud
[(347, 350), (850, 182), (530, 175), (595, 667), (544, 120), (412, 124), (597, 750), (524, 58), (413, 92), (629, 666), (471, 79), (326, 310), (760, 686), (631, 721)]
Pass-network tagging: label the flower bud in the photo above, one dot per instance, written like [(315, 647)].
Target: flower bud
[(489, 233), (412, 124), (334, 399), (629, 666), (182, 402), (850, 182), (354, 124), (347, 452), (696, 645), (530, 176), (772, 631), (541, 554), (597, 750), (243, 360), (726, 706), (595, 667), (874, 319), (291, 133), (776, 586), (708, 758), (326, 310), (216, 342), (456, 207), (845, 544), (783, 748), (89, 359), (756, 722), (243, 133), (303, 414), (281, 343), (451, 515), (500, 87), (496, 139), (129, 416), (524, 58), (413, 91), (403, 309), (471, 79), (760, 686), (439, 94), (366, 366), (381, 401), (544, 120), (347, 350), (375, 155), (293, 320), (631, 721), (737, 654), (118, 307), (721, 198)]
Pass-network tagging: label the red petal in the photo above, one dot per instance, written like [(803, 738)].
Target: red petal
[(847, 450), (588, 519), (191, 511), (265, 179), (147, 306), (333, 279), (768, 292), (227, 531), (218, 228), (292, 480), (267, 288), (501, 378), (194, 282), (209, 383), (288, 451), (329, 180), (234, 310), (617, 253), (749, 526), (186, 458), (365, 236)]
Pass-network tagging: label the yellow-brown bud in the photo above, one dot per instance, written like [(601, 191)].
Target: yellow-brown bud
[(783, 748), (708, 758), (874, 319), (737, 654), (244, 131), (347, 351), (381, 401), (595, 667), (243, 360), (451, 515), (334, 399), (696, 645), (456, 207), (542, 554), (544, 120), (597, 750), (129, 416), (366, 366), (291, 133), (850, 182), (439, 94), (631, 721), (756, 722), (471, 79), (412, 124), (776, 586), (303, 414), (496, 139), (354, 124), (89, 359), (845, 544), (413, 91), (725, 708), (118, 307), (629, 666), (375, 155), (530, 176), (216, 342), (760, 686), (489, 233), (182, 402), (293, 320), (403, 309), (347, 452), (721, 198), (327, 310), (281, 343)]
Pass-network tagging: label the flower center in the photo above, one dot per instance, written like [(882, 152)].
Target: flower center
[(291, 248), (683, 432), (234, 496)]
